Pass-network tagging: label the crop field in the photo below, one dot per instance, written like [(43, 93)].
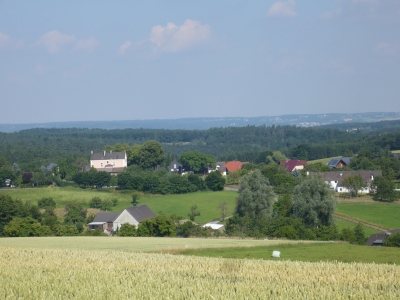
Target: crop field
[(206, 202), (38, 273), (383, 214)]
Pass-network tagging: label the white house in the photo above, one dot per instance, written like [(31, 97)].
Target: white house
[(335, 179), (111, 162), (111, 221)]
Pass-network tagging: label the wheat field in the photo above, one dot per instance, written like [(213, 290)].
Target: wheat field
[(35, 273)]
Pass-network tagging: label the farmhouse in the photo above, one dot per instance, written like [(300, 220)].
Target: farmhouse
[(377, 238), (111, 162), (235, 165), (111, 221), (219, 166), (175, 167), (338, 163), (293, 164), (335, 179)]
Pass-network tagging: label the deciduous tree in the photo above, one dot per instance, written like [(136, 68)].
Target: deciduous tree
[(313, 202), (256, 197)]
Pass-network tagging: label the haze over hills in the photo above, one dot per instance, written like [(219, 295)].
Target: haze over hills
[(302, 120)]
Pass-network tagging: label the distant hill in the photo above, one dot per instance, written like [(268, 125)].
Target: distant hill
[(303, 120)]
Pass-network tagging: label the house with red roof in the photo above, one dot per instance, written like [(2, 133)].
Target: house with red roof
[(233, 166), (293, 164)]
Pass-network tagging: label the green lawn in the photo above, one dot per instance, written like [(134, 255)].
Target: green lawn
[(313, 252), (132, 244), (340, 223), (384, 214), (206, 202)]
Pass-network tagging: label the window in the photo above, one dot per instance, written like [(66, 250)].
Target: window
[(113, 163), (174, 166), (107, 162), (101, 164)]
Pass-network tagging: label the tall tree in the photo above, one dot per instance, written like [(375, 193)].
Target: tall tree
[(353, 183), (385, 189), (256, 196), (150, 155), (196, 161), (313, 202)]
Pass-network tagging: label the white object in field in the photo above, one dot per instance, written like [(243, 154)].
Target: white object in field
[(276, 254)]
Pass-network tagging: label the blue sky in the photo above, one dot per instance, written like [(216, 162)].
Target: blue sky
[(124, 60)]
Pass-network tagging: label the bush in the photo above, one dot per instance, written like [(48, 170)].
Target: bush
[(392, 240), (215, 181), (47, 203), (127, 230)]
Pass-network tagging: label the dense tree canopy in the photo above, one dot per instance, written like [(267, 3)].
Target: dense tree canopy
[(256, 197), (313, 202)]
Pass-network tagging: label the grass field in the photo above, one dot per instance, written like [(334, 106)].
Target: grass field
[(133, 244), (206, 202), (383, 214), (340, 223), (313, 252)]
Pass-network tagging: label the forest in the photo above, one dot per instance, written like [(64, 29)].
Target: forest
[(34, 148)]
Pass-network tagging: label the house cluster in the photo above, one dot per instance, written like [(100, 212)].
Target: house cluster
[(223, 167), (110, 222)]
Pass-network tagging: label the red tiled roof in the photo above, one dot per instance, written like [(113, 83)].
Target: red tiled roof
[(233, 166), (291, 164)]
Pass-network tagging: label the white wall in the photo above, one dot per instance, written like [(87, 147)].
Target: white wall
[(123, 218)]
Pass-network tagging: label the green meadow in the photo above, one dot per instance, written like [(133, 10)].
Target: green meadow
[(340, 223), (311, 252), (207, 202), (383, 214)]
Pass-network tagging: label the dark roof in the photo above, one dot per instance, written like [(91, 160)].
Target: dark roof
[(106, 216), (141, 212), (334, 161), (377, 238), (107, 155), (340, 175)]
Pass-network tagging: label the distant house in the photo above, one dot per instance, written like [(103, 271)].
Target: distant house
[(175, 167), (335, 179), (339, 162), (233, 166), (293, 164), (111, 162), (111, 221), (377, 238), (219, 166)]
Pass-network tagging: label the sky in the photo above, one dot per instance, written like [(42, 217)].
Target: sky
[(140, 60)]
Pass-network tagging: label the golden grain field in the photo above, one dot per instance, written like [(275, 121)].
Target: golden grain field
[(32, 273)]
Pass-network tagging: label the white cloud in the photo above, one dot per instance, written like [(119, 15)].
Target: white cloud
[(124, 47), (4, 39), (283, 9), (54, 40), (174, 38), (386, 48), (331, 14), (87, 44)]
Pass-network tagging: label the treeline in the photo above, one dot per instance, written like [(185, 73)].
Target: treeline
[(33, 148)]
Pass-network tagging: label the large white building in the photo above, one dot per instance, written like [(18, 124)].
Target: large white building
[(110, 162)]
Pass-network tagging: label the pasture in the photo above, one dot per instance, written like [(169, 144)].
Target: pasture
[(341, 224), (311, 252), (382, 214), (179, 205)]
